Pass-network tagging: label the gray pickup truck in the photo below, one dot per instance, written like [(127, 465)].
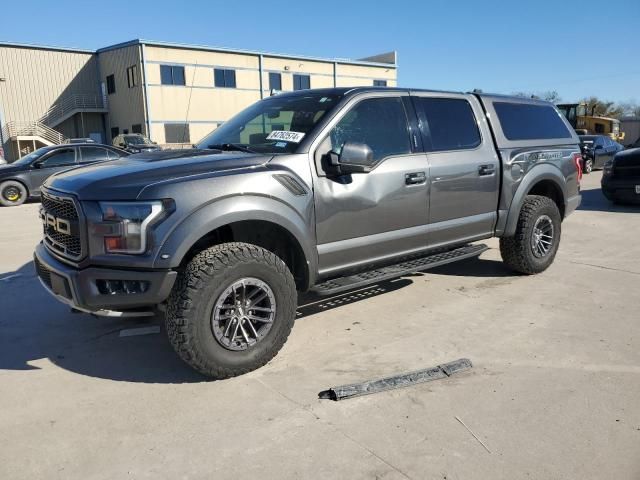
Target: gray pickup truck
[(322, 190)]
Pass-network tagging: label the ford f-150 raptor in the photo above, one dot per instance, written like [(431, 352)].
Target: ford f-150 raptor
[(322, 190)]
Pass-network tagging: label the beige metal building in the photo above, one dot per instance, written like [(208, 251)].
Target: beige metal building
[(173, 93)]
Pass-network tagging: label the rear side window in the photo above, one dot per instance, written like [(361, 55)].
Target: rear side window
[(93, 154), (523, 121), (450, 124), (380, 123)]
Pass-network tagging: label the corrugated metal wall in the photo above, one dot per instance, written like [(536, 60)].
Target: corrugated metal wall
[(126, 105), (36, 79)]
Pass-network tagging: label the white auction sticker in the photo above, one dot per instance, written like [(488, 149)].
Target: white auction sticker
[(295, 137)]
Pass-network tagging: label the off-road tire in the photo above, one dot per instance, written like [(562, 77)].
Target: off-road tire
[(9, 185), (189, 308), (516, 251)]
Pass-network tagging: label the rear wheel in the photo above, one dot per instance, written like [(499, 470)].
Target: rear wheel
[(231, 310), (12, 193), (588, 165), (533, 247)]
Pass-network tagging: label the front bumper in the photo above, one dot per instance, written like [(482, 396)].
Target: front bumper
[(621, 189), (78, 288)]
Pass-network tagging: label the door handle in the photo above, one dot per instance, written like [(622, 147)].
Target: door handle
[(486, 169), (415, 178)]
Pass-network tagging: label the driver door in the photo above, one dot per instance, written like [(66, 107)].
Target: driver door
[(364, 218), (55, 161)]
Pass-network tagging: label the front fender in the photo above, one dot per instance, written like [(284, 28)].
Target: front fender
[(225, 211), (537, 174)]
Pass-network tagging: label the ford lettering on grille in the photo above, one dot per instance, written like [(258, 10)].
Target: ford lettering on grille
[(60, 221)]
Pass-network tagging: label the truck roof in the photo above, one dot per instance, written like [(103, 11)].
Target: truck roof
[(345, 91)]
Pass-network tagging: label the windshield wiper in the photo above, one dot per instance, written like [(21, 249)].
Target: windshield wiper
[(236, 147)]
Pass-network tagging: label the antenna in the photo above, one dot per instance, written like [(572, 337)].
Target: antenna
[(186, 118)]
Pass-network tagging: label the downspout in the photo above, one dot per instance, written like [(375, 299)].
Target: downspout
[(260, 58), (145, 93)]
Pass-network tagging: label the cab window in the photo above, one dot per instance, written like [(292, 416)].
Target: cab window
[(380, 123), (60, 158)]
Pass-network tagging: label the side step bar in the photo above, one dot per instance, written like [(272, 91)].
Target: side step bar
[(337, 285)]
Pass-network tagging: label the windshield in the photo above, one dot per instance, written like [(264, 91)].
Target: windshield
[(136, 140), (275, 125), (28, 159)]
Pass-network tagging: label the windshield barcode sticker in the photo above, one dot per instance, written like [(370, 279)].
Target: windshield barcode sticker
[(295, 137)]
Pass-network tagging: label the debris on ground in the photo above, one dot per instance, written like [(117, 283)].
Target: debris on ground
[(397, 381)]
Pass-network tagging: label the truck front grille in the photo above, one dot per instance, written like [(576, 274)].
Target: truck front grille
[(61, 225)]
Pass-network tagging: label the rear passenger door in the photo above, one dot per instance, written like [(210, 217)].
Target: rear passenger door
[(93, 154), (464, 168)]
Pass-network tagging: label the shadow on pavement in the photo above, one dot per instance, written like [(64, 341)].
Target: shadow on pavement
[(34, 327), (593, 200)]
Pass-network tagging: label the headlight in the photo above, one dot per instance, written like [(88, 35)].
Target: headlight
[(128, 223), (607, 168)]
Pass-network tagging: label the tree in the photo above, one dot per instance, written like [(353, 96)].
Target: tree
[(601, 108), (630, 108)]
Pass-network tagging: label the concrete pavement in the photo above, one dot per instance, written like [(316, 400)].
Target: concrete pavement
[(554, 392)]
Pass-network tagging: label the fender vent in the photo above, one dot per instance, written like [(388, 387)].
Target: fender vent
[(290, 184)]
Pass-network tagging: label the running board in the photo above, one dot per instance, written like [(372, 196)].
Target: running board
[(337, 285)]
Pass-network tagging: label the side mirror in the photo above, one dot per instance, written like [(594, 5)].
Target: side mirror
[(599, 147), (36, 165), (122, 144), (354, 158)]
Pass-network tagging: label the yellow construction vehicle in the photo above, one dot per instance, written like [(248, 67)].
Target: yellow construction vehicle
[(586, 123)]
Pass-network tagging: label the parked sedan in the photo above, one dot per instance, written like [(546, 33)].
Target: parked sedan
[(597, 150), (621, 177), (23, 178)]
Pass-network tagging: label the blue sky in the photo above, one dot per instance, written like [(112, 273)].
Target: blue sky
[(499, 46)]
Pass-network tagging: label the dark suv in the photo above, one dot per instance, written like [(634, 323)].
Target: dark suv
[(135, 143), (23, 178)]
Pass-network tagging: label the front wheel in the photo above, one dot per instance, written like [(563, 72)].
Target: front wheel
[(12, 193), (535, 243), (231, 309)]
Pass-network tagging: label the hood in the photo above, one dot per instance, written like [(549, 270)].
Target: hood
[(7, 169), (124, 179)]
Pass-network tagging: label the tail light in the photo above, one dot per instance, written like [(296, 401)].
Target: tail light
[(577, 160)]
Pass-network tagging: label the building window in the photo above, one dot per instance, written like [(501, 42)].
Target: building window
[(111, 84), (115, 131), (379, 83), (132, 76), (177, 133), (137, 128), (275, 81), (224, 78), (301, 82), (171, 75)]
